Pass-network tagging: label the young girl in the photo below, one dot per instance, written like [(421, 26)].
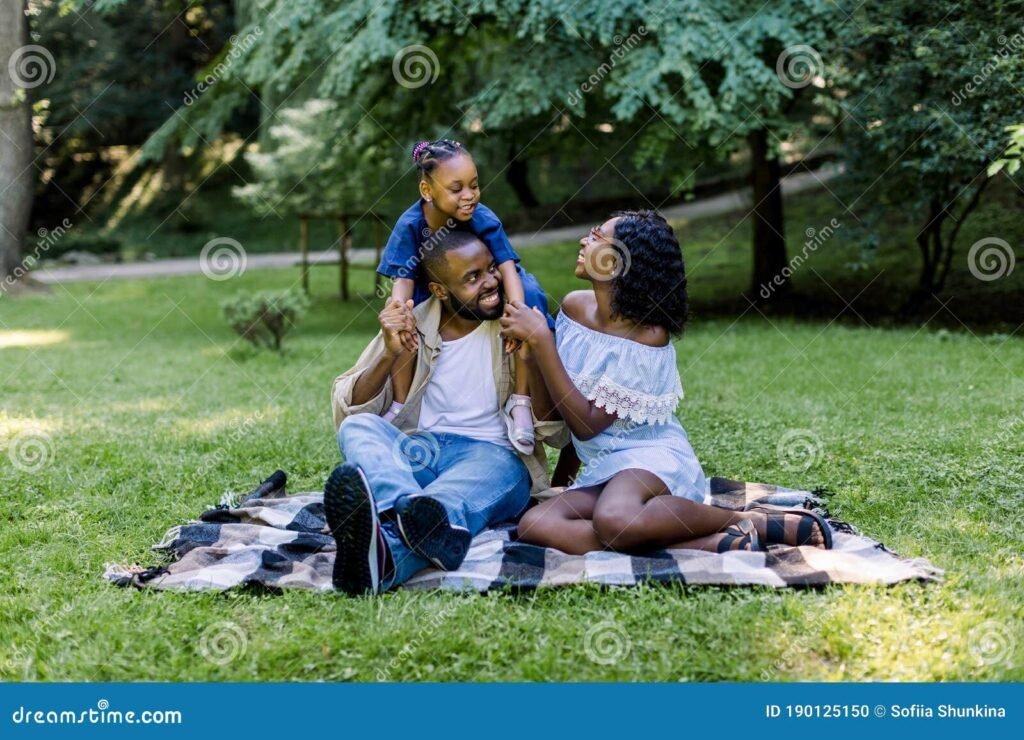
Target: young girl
[(450, 199), (611, 373)]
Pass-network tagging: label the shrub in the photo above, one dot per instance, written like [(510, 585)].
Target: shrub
[(264, 318)]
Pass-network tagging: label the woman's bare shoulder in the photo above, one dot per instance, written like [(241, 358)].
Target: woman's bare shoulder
[(578, 304)]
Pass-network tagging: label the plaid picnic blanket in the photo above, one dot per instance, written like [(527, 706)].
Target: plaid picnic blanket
[(277, 540)]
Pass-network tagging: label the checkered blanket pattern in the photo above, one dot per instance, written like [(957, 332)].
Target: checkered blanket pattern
[(276, 540)]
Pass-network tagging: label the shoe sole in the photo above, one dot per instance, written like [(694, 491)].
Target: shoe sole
[(351, 518), (425, 528)]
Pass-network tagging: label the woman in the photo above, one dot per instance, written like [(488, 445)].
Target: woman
[(611, 372)]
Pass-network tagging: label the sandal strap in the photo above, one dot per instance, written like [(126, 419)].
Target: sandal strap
[(513, 402)]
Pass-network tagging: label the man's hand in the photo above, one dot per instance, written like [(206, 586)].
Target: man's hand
[(398, 327)]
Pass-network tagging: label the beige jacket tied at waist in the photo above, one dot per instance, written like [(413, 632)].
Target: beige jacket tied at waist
[(428, 318)]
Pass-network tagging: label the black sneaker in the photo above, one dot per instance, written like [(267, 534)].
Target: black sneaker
[(424, 526), (353, 522)]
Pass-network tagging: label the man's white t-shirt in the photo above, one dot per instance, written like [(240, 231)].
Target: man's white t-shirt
[(461, 397)]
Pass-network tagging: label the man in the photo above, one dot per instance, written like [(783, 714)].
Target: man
[(414, 490)]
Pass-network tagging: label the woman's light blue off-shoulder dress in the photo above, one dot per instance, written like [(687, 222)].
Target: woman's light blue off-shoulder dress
[(640, 384)]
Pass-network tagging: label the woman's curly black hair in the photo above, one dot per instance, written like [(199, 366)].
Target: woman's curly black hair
[(652, 288)]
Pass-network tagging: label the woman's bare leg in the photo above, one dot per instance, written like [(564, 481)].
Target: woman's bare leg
[(636, 512), (563, 522)]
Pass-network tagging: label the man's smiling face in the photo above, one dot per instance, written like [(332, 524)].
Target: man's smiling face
[(471, 283)]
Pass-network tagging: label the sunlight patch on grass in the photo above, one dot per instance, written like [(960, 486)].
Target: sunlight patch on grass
[(32, 338)]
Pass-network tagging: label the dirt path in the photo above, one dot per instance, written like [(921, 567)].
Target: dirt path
[(736, 200)]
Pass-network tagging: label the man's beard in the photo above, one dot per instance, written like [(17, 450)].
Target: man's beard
[(476, 313)]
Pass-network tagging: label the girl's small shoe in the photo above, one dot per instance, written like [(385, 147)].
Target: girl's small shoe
[(520, 435)]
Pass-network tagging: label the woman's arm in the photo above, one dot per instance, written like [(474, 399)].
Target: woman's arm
[(584, 419)]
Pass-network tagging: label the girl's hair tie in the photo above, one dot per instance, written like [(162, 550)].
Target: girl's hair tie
[(418, 149)]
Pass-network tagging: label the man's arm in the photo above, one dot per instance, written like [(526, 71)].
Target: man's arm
[(371, 381)]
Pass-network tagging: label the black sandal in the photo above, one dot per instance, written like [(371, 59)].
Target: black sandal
[(744, 533), (775, 528)]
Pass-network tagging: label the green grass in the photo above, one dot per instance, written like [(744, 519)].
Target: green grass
[(143, 397)]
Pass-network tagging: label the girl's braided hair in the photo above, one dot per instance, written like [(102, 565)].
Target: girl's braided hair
[(427, 155)]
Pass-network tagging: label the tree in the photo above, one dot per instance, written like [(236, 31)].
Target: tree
[(16, 170), (931, 89), (679, 82)]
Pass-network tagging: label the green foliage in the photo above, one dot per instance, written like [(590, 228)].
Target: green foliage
[(316, 161), (1010, 158), (931, 88), (264, 318)]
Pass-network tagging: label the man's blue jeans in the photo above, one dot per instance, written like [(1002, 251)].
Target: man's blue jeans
[(478, 483)]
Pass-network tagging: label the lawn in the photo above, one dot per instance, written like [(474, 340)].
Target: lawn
[(148, 410)]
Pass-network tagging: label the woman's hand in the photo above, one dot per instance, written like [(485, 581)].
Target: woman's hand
[(523, 324)]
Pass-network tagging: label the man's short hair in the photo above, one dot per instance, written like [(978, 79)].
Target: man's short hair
[(433, 251)]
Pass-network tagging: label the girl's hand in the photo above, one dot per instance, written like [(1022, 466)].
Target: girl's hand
[(512, 345), (519, 322)]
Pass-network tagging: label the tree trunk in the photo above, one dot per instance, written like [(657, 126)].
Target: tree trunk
[(768, 279), (929, 241), (16, 171), (516, 176)]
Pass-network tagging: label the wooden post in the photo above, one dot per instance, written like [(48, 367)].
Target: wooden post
[(344, 241), (377, 246), (304, 249)]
